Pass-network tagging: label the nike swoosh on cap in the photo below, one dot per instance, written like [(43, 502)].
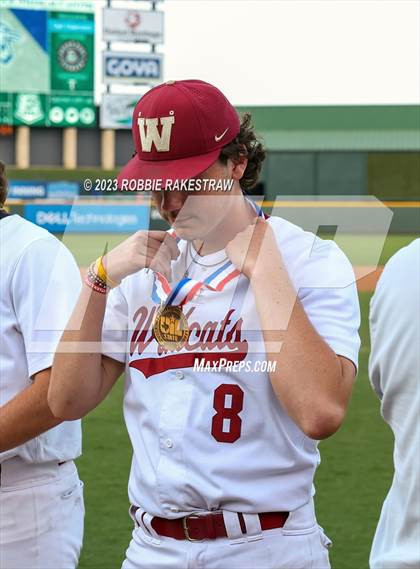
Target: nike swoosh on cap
[(219, 138)]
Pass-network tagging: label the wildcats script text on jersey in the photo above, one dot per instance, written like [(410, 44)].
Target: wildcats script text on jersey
[(211, 341)]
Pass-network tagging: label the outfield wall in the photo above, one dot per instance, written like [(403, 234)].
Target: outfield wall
[(311, 151), (125, 216)]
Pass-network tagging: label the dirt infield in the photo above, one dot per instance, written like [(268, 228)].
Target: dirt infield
[(365, 283)]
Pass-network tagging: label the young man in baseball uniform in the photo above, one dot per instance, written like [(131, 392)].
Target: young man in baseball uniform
[(225, 453), (394, 368), (41, 501)]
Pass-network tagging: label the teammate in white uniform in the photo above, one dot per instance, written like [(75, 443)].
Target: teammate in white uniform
[(41, 502), (225, 456), (394, 368)]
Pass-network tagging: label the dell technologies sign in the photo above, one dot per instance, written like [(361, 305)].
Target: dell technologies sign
[(131, 67)]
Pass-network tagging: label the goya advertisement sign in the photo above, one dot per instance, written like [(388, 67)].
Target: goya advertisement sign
[(132, 67), (46, 67)]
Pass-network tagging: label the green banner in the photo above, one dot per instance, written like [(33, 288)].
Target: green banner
[(35, 109), (47, 68), (72, 52), (71, 111), (73, 5)]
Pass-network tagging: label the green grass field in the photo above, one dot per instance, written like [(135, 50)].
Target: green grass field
[(352, 481), (359, 248)]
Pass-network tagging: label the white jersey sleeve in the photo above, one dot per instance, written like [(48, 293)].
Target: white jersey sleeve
[(325, 284), (40, 283), (333, 311), (45, 286), (394, 369)]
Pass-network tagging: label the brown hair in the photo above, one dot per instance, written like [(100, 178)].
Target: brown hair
[(248, 145), (3, 184)]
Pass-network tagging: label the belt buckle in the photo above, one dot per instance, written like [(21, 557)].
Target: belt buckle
[(185, 526)]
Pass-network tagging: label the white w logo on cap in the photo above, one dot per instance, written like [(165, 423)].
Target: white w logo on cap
[(149, 133)]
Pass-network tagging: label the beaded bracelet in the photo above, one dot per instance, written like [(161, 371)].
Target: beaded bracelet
[(93, 281), (93, 276), (96, 288)]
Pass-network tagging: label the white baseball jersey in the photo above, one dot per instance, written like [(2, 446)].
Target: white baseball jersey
[(209, 440), (39, 283), (394, 368)]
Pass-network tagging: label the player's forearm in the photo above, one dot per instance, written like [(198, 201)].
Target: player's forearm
[(27, 415), (308, 377), (76, 376)]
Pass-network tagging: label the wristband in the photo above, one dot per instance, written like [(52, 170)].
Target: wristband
[(100, 271)]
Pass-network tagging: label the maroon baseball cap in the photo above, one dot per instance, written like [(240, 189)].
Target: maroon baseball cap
[(179, 128)]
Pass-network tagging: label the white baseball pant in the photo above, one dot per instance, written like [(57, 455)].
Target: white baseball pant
[(299, 544), (41, 515)]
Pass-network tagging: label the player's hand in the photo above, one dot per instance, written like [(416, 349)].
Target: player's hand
[(254, 249), (143, 249)]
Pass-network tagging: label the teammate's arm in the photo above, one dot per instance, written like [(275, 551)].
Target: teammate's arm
[(310, 380), (27, 415), (82, 377)]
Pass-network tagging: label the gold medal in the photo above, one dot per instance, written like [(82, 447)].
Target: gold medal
[(170, 328)]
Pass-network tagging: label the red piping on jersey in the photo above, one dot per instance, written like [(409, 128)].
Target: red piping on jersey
[(192, 293), (231, 276)]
